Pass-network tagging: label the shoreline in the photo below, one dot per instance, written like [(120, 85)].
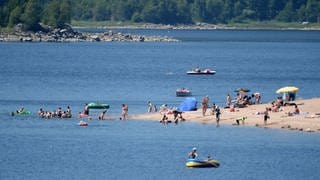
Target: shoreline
[(68, 34), (308, 120), (199, 26)]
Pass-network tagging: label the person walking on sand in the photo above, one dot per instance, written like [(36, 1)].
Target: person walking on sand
[(124, 111), (205, 103), (266, 116)]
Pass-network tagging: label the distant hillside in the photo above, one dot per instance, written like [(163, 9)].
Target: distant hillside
[(58, 12)]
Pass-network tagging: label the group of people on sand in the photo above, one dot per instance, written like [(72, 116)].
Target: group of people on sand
[(177, 116), (277, 106), (58, 113), (242, 99)]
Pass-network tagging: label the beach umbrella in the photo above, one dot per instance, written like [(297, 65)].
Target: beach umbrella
[(288, 89)]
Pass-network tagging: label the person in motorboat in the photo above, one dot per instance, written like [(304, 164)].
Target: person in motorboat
[(193, 154)]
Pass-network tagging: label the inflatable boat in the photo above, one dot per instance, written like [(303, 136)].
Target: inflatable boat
[(98, 106), (24, 112), (195, 163)]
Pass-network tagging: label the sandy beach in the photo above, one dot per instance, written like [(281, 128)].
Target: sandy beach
[(308, 119)]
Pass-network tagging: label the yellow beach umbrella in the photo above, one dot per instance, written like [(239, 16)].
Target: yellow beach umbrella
[(287, 89)]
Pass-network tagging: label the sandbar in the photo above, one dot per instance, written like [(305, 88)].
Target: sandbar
[(308, 120)]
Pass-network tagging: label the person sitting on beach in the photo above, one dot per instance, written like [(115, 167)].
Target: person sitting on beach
[(193, 154), (275, 107), (232, 109), (295, 112), (164, 119), (177, 115)]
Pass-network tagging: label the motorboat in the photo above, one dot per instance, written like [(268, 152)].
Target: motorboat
[(198, 71), (195, 163), (182, 92)]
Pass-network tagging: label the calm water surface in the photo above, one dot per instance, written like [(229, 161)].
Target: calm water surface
[(50, 75)]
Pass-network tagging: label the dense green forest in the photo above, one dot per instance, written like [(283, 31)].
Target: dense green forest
[(58, 12)]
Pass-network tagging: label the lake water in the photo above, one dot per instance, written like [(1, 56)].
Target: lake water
[(52, 75)]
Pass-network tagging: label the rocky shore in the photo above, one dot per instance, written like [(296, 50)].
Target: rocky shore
[(67, 34)]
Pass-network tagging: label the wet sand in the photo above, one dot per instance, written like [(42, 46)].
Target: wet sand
[(308, 119)]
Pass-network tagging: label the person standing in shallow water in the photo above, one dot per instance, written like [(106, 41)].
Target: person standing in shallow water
[(149, 106), (218, 116), (124, 110), (86, 109), (205, 103), (266, 116)]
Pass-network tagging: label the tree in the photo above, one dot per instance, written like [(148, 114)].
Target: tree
[(64, 13), (198, 10), (213, 11), (31, 15), (313, 11), (15, 16), (288, 13), (57, 13), (51, 14)]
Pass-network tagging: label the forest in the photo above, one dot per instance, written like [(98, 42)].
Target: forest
[(56, 13)]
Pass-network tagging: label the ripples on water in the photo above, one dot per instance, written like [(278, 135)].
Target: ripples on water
[(50, 75)]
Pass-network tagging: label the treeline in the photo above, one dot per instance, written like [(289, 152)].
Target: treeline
[(57, 12)]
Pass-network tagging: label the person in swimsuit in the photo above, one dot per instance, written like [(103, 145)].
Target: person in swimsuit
[(193, 154)]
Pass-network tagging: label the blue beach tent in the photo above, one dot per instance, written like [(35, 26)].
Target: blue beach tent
[(189, 104)]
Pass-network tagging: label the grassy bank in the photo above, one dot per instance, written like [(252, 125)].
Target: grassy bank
[(234, 25), (274, 25)]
